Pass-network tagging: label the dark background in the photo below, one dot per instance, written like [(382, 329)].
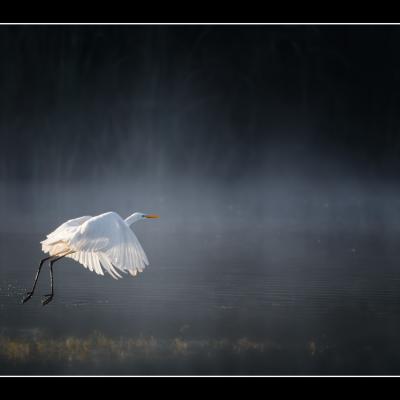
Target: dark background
[(228, 103)]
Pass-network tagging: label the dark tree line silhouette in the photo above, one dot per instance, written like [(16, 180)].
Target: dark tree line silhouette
[(84, 102)]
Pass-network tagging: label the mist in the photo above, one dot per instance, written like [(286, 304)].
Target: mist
[(271, 154)]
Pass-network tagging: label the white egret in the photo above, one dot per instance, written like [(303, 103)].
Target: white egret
[(101, 242)]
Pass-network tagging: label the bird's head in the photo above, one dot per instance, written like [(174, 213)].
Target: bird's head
[(137, 216)]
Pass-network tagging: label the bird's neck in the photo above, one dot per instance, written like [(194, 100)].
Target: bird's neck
[(132, 218)]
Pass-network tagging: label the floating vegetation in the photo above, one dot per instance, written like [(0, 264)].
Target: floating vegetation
[(97, 346), (14, 349)]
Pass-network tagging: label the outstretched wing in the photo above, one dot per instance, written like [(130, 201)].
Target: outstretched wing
[(107, 242)]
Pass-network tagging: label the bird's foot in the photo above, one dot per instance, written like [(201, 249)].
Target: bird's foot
[(47, 298), (27, 297)]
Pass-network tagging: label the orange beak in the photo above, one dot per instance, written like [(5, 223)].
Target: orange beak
[(152, 216)]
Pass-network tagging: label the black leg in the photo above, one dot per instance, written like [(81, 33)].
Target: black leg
[(30, 294), (47, 298)]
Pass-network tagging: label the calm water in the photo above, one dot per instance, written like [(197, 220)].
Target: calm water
[(233, 302)]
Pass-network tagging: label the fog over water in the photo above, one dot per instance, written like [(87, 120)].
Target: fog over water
[(271, 154)]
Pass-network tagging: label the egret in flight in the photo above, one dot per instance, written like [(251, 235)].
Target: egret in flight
[(104, 242)]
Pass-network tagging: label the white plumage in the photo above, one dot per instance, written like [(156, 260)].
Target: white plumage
[(104, 242)]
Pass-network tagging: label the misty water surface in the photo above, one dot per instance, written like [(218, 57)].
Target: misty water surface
[(231, 288)]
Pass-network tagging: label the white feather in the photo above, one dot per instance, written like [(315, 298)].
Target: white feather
[(101, 242)]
